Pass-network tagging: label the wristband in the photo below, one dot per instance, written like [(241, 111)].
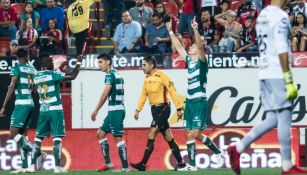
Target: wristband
[(171, 33), (78, 63), (288, 77)]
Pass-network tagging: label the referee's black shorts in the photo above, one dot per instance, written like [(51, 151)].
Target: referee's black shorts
[(160, 114)]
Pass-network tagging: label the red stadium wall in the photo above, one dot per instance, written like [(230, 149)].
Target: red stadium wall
[(81, 150)]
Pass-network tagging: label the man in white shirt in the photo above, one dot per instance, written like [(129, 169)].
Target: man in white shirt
[(277, 89), (300, 7)]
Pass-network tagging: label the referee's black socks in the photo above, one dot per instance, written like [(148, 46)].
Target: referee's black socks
[(175, 150), (149, 149)]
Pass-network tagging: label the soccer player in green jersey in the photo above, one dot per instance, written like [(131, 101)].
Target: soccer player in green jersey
[(113, 123), (196, 103), (51, 115), (21, 83)]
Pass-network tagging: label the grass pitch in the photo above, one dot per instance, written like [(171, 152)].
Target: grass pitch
[(249, 171)]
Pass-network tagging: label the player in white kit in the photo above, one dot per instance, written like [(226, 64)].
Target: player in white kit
[(277, 90)]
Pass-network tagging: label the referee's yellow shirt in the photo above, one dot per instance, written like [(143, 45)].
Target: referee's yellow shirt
[(158, 88), (78, 15)]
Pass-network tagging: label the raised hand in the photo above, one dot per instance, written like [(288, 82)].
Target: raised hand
[(194, 24), (169, 26)]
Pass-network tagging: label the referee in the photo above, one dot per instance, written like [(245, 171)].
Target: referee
[(158, 87)]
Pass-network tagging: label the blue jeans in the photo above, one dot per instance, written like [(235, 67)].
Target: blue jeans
[(110, 6), (8, 31), (228, 46), (252, 48), (258, 4), (185, 22)]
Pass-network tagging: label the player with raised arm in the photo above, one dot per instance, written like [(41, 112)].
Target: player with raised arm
[(196, 108), (113, 123), (51, 116), (21, 84), (277, 90)]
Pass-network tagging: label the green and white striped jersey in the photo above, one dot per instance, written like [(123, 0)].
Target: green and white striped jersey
[(47, 83), (23, 91), (116, 96), (197, 79)]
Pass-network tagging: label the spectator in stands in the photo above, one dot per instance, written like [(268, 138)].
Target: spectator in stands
[(13, 48), (224, 6), (188, 13), (50, 12), (300, 6), (141, 14), (246, 9), (209, 31), (159, 7), (157, 38), (210, 5), (30, 12), (8, 18), (27, 36), (127, 35), (248, 37), (78, 22), (38, 5), (231, 34), (110, 5), (299, 33), (52, 39), (289, 10)]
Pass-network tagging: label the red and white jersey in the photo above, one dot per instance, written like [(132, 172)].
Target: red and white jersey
[(273, 34)]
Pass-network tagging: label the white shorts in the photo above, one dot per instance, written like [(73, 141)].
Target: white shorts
[(273, 95)]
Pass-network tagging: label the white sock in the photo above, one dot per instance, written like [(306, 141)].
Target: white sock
[(240, 147), (287, 165)]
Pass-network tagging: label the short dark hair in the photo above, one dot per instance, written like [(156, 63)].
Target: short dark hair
[(225, 1), (151, 60), (250, 18), (22, 53), (125, 11), (105, 56), (156, 14)]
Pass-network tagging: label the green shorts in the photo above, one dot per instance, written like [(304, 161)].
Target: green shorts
[(51, 122), (21, 117), (114, 123), (195, 115)]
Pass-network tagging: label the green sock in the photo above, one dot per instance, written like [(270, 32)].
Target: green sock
[(24, 158), (208, 142), (191, 152), (57, 151), (23, 142), (122, 151), (105, 149), (36, 150)]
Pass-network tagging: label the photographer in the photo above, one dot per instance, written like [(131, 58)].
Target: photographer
[(51, 40), (299, 33)]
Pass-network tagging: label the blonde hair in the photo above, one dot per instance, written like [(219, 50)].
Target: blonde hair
[(231, 13)]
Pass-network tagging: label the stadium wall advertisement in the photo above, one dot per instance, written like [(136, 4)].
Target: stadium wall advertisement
[(81, 150), (233, 98)]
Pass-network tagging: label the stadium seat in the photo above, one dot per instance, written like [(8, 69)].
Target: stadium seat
[(171, 8), (149, 4), (235, 5), (4, 38), (188, 40), (19, 8), (4, 45)]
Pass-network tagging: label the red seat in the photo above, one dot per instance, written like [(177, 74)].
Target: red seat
[(19, 8), (171, 8), (235, 5), (4, 39), (4, 47), (149, 4), (189, 42)]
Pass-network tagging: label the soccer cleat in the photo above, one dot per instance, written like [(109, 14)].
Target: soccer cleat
[(220, 159), (187, 168), (234, 157), (138, 166), (31, 169), (105, 167), (122, 170), (21, 170), (40, 161), (180, 166), (59, 170), (295, 170)]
